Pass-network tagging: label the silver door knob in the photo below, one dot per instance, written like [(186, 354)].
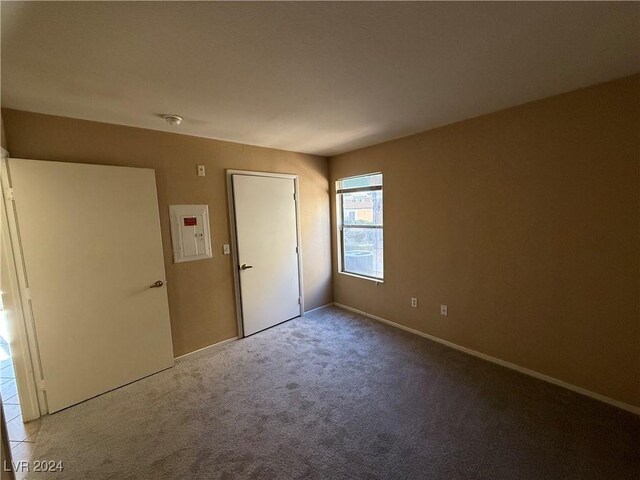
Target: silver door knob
[(157, 284), (244, 266)]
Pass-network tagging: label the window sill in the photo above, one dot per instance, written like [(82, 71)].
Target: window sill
[(355, 275)]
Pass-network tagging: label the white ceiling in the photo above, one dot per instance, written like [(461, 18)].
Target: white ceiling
[(321, 78)]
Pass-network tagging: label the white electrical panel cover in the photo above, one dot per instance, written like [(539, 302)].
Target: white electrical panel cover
[(190, 232)]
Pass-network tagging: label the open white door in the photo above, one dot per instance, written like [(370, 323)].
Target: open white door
[(91, 245), (267, 250)]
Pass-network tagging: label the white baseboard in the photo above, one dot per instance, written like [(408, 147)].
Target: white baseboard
[(512, 366), (200, 350), (319, 308)]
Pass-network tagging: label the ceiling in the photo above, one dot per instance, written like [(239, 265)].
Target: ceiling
[(314, 77)]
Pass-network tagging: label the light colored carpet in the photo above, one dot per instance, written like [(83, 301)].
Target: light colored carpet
[(338, 396)]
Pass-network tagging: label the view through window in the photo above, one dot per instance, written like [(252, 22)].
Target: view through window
[(359, 205)]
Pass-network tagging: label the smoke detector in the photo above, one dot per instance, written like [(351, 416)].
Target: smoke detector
[(172, 119)]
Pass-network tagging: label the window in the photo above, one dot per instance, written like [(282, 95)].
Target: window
[(359, 205)]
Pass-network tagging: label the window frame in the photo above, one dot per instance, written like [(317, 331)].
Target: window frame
[(342, 226)]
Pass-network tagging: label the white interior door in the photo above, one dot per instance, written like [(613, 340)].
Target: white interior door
[(267, 238), (91, 242)]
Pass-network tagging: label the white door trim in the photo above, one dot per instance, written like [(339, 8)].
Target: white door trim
[(234, 238), (29, 378)]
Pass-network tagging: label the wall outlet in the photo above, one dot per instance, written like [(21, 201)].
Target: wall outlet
[(226, 249), (201, 171), (414, 302), (444, 310)]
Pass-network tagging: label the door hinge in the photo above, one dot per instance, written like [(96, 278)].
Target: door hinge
[(10, 194), (294, 196), (297, 251), (43, 385), (27, 294), (299, 300)]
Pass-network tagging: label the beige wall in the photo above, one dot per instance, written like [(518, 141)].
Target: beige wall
[(5, 455), (526, 223), (201, 293)]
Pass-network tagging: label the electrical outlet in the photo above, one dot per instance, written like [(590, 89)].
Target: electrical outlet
[(444, 310), (414, 302), (226, 249), (201, 172)]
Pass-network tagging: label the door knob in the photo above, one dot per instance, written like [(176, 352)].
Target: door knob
[(245, 266), (157, 284)]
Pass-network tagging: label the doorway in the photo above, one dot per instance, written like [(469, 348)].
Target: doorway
[(94, 283), (21, 434), (18, 388), (8, 386), (265, 225)]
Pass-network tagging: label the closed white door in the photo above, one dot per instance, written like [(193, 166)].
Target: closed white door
[(91, 242), (266, 233)]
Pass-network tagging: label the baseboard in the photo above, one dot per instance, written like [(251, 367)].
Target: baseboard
[(201, 350), (532, 373), (319, 308)]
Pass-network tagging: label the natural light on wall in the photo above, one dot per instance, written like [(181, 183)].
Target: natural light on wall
[(359, 205)]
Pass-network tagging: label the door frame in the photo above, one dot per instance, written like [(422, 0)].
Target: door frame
[(234, 237), (35, 337), (28, 370)]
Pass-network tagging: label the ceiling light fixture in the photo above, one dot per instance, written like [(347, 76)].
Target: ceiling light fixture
[(172, 119)]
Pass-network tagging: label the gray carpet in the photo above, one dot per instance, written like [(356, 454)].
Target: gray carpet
[(338, 396)]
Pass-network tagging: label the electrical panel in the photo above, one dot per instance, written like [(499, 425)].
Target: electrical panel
[(190, 232)]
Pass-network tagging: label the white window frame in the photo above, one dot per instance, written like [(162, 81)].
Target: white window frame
[(341, 225)]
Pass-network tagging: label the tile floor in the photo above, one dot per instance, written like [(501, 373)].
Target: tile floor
[(22, 436)]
